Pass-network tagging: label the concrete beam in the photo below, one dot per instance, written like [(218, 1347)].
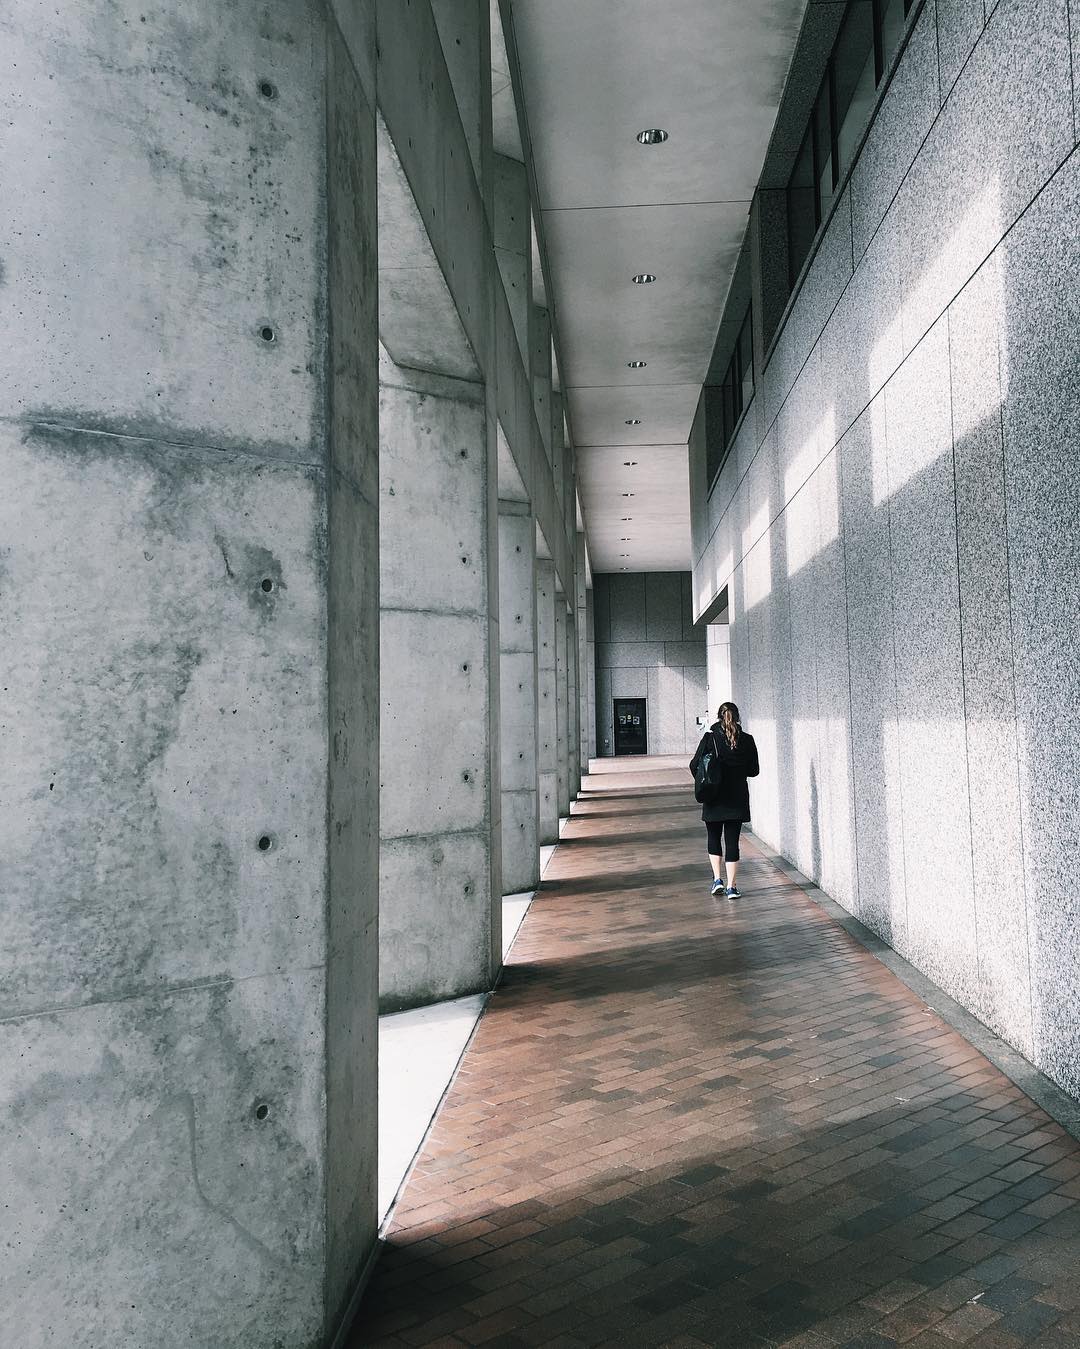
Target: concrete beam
[(513, 243), (418, 104)]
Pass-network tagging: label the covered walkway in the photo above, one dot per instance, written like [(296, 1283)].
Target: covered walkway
[(684, 1122)]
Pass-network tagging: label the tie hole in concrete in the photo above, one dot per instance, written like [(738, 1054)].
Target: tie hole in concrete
[(266, 842)]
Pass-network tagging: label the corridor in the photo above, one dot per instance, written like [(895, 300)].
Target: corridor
[(690, 1122)]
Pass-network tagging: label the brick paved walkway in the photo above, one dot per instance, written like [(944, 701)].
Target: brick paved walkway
[(684, 1122)]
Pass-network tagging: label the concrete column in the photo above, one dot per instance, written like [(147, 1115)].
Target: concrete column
[(573, 711), (547, 701), (590, 690), (188, 748), (540, 369), (441, 892), (562, 707), (584, 681), (518, 698), (513, 244)]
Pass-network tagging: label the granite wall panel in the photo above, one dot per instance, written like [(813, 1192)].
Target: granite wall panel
[(959, 23), (901, 551), (989, 683), (932, 733), (897, 131), (685, 654), (611, 654), (834, 809), (1041, 426), (799, 529), (882, 894), (626, 606), (663, 606), (696, 703), (827, 278), (1006, 126), (862, 343)]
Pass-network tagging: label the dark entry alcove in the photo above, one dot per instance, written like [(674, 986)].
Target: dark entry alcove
[(631, 726)]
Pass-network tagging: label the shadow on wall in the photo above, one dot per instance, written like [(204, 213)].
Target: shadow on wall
[(903, 639)]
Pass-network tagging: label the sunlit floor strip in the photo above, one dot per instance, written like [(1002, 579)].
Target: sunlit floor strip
[(419, 1052)]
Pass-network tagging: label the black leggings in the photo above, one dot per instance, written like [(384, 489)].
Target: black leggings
[(727, 831)]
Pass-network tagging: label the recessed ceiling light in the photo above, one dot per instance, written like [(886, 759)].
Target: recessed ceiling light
[(626, 519), (633, 421), (637, 365), (644, 279), (624, 554), (625, 539), (629, 463), (653, 135), (628, 494)]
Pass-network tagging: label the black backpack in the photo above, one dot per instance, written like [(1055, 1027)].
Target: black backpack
[(709, 777)]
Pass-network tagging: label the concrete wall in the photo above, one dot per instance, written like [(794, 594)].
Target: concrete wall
[(590, 679), (439, 882), (518, 698), (718, 666), (189, 727), (547, 722), (897, 526), (647, 647)]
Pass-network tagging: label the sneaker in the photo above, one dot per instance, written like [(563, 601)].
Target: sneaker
[(718, 887), (733, 892)]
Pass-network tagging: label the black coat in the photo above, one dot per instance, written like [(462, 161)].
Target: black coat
[(740, 763)]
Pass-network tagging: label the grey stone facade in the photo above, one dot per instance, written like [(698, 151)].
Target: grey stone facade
[(647, 647), (897, 529)]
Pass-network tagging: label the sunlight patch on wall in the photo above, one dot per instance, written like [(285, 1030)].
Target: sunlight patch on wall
[(805, 459), (757, 573), (922, 306)]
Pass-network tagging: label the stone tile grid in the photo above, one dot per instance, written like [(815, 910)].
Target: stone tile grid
[(686, 1123)]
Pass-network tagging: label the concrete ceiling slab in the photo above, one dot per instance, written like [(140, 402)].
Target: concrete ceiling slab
[(656, 536), (710, 72), (607, 320), (666, 412)]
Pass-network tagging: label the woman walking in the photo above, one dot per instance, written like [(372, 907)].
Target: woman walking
[(729, 806)]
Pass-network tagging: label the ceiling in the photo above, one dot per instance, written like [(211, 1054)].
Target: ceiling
[(594, 73)]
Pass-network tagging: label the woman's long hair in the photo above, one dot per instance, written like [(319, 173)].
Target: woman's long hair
[(728, 717)]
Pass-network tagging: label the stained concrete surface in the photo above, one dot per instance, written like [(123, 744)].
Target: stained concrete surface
[(189, 521)]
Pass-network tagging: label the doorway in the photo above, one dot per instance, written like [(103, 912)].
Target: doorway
[(631, 728)]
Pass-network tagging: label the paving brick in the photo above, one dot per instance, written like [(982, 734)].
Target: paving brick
[(683, 1122)]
